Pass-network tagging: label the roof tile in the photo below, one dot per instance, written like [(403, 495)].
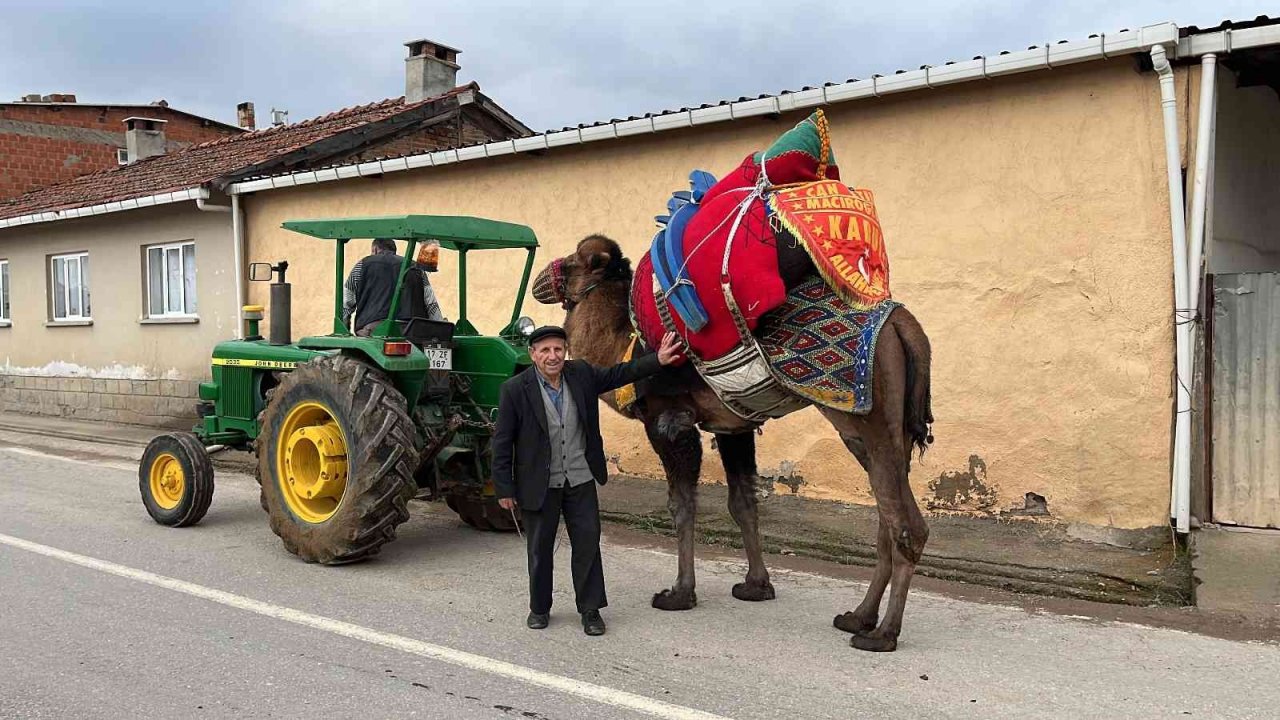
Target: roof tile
[(199, 164)]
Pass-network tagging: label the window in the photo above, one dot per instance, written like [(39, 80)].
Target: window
[(171, 280), (4, 290), (122, 156), (70, 286)]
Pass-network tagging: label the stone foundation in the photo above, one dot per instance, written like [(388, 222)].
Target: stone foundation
[(157, 403)]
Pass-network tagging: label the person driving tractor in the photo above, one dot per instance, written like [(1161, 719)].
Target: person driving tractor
[(371, 283)]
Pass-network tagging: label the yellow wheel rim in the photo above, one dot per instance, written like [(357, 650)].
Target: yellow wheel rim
[(168, 481), (311, 462)]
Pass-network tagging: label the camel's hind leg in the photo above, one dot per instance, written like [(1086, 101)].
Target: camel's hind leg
[(738, 454), (867, 615), (679, 446), (882, 447)]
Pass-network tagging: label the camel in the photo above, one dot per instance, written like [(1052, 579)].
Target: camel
[(593, 288)]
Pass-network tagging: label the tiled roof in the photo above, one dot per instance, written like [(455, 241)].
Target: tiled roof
[(160, 105), (1259, 21), (206, 162)]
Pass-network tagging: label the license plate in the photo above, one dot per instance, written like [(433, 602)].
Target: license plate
[(439, 358)]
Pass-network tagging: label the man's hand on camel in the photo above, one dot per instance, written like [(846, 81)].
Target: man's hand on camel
[(672, 349)]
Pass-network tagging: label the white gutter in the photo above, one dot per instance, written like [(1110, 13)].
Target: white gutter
[(195, 193), (1224, 41), (1041, 57), (203, 206), (1179, 501)]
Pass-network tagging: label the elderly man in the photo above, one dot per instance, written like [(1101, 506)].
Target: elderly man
[(548, 456), (371, 283)]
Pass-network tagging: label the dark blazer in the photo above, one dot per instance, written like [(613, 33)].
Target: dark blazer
[(521, 443)]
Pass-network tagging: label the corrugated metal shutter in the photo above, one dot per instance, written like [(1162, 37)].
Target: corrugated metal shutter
[(1246, 399)]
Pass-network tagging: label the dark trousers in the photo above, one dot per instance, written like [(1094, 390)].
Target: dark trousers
[(581, 509)]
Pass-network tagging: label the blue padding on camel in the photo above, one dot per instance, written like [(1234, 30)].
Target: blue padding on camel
[(684, 297), (668, 252)]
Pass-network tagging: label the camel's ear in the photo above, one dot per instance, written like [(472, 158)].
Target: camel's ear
[(600, 260)]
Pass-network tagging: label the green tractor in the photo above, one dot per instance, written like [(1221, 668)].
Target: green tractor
[(348, 429)]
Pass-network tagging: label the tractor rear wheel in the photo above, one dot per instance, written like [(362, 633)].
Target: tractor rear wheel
[(336, 459), (175, 477)]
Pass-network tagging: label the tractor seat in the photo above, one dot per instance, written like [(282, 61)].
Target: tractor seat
[(420, 331)]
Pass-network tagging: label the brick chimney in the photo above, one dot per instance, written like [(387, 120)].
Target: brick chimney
[(143, 138), (430, 70), (244, 116)]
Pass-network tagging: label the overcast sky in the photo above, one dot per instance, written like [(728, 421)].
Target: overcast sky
[(550, 64)]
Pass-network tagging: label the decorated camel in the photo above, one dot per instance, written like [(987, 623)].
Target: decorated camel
[(777, 279)]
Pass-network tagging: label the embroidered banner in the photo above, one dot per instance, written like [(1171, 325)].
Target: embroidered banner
[(839, 229)]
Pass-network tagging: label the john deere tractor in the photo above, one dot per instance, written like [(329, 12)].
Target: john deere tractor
[(348, 429)]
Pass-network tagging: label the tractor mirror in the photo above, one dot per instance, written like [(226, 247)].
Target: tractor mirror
[(260, 271)]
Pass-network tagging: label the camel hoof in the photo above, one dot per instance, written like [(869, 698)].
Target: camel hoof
[(850, 622), (675, 600), (754, 592), (874, 642)]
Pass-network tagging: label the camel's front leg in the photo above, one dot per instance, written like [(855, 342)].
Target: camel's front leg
[(680, 449), (738, 454)]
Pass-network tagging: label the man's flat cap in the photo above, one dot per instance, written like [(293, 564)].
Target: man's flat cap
[(547, 331)]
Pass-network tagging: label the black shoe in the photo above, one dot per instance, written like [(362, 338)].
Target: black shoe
[(537, 621), (592, 623)]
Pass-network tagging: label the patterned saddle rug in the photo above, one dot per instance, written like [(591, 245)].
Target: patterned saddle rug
[(823, 350)]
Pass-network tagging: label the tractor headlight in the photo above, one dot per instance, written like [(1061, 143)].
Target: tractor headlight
[(525, 326)]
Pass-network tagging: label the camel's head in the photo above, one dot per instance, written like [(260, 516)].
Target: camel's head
[(567, 280)]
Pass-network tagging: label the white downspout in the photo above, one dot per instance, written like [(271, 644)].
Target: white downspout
[(1200, 191), (237, 242), (1179, 505), (1195, 275), (202, 204)]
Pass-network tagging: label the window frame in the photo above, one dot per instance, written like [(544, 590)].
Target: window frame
[(5, 282), (181, 246), (80, 257)]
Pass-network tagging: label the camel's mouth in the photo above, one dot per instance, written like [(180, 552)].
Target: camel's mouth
[(549, 286)]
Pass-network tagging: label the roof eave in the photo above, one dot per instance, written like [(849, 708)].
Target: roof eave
[(1048, 56), (198, 192)]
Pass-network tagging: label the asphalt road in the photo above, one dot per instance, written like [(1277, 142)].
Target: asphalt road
[(105, 614)]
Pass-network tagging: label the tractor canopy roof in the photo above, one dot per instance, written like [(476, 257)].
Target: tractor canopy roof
[(454, 232)]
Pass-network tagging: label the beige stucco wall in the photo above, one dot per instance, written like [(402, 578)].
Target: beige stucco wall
[(116, 266), (1028, 229)]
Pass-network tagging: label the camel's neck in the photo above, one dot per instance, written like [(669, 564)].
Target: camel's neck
[(599, 328)]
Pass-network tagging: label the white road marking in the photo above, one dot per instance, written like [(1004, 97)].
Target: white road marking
[(481, 663), (48, 456)]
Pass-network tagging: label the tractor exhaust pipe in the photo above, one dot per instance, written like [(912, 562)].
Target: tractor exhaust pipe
[(281, 310)]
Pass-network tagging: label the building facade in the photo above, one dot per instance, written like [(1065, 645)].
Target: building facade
[(1029, 225)]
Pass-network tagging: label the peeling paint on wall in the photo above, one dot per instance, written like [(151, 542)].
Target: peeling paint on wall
[(784, 474), (963, 489)]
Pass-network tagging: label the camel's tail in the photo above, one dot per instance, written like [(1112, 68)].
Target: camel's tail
[(918, 413)]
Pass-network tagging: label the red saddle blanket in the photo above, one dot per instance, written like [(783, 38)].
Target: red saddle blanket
[(752, 271), (731, 241)]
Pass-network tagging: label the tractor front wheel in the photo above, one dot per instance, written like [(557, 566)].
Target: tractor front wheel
[(336, 460), (175, 477)]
